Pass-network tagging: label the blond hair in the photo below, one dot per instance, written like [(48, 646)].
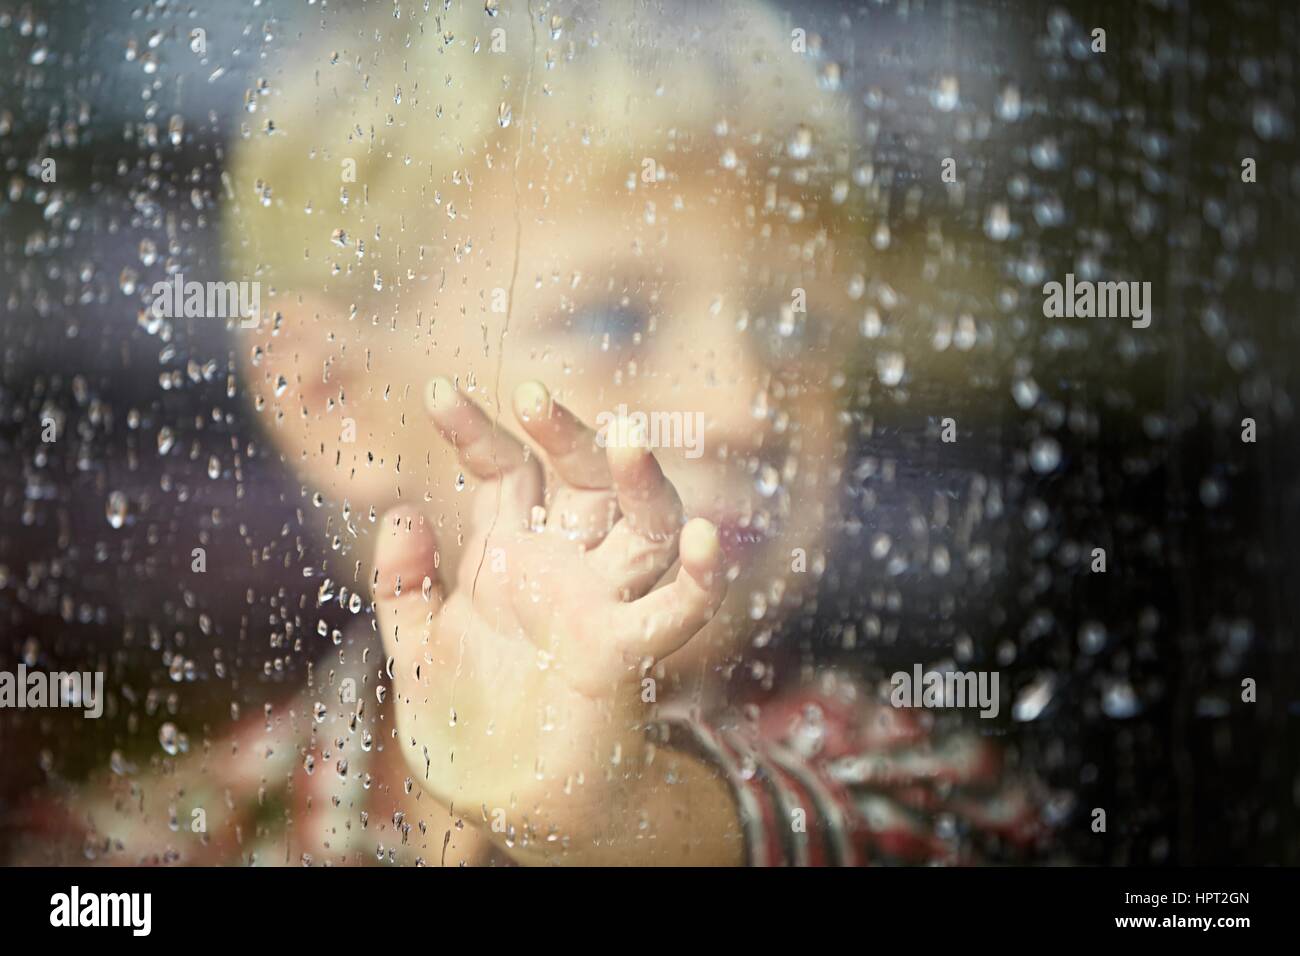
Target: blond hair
[(362, 154)]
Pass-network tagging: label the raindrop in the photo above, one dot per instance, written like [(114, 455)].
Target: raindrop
[(116, 509), (1119, 700), (1045, 455), (801, 143), (1034, 699), (890, 367), (170, 738), (997, 222), (945, 96)]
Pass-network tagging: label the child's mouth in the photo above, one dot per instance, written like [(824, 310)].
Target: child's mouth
[(741, 540)]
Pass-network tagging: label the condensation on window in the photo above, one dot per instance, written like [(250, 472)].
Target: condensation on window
[(824, 432)]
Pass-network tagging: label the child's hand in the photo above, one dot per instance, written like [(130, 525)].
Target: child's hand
[(518, 695)]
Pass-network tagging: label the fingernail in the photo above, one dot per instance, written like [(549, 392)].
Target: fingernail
[(700, 544), (531, 400)]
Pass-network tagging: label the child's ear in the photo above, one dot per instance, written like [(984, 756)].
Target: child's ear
[(301, 340)]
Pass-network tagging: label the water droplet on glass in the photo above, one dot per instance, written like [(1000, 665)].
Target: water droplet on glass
[(945, 96), (1045, 455), (169, 737), (890, 367), (116, 509), (1119, 700)]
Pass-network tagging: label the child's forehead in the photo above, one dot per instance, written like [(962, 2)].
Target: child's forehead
[(698, 220)]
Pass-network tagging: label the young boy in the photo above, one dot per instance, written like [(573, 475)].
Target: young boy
[(556, 315)]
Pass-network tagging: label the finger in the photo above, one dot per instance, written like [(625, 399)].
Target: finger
[(406, 588), (487, 451), (643, 545), (581, 504), (648, 500), (665, 619), (569, 444)]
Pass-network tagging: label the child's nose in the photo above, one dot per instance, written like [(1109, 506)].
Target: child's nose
[(710, 372)]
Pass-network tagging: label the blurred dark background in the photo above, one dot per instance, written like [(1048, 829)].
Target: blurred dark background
[(1125, 164)]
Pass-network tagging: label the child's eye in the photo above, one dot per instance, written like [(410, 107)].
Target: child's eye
[(610, 325)]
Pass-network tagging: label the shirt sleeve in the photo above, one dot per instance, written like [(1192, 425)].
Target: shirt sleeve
[(835, 778)]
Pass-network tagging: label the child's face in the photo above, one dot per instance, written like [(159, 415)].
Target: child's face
[(664, 299)]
